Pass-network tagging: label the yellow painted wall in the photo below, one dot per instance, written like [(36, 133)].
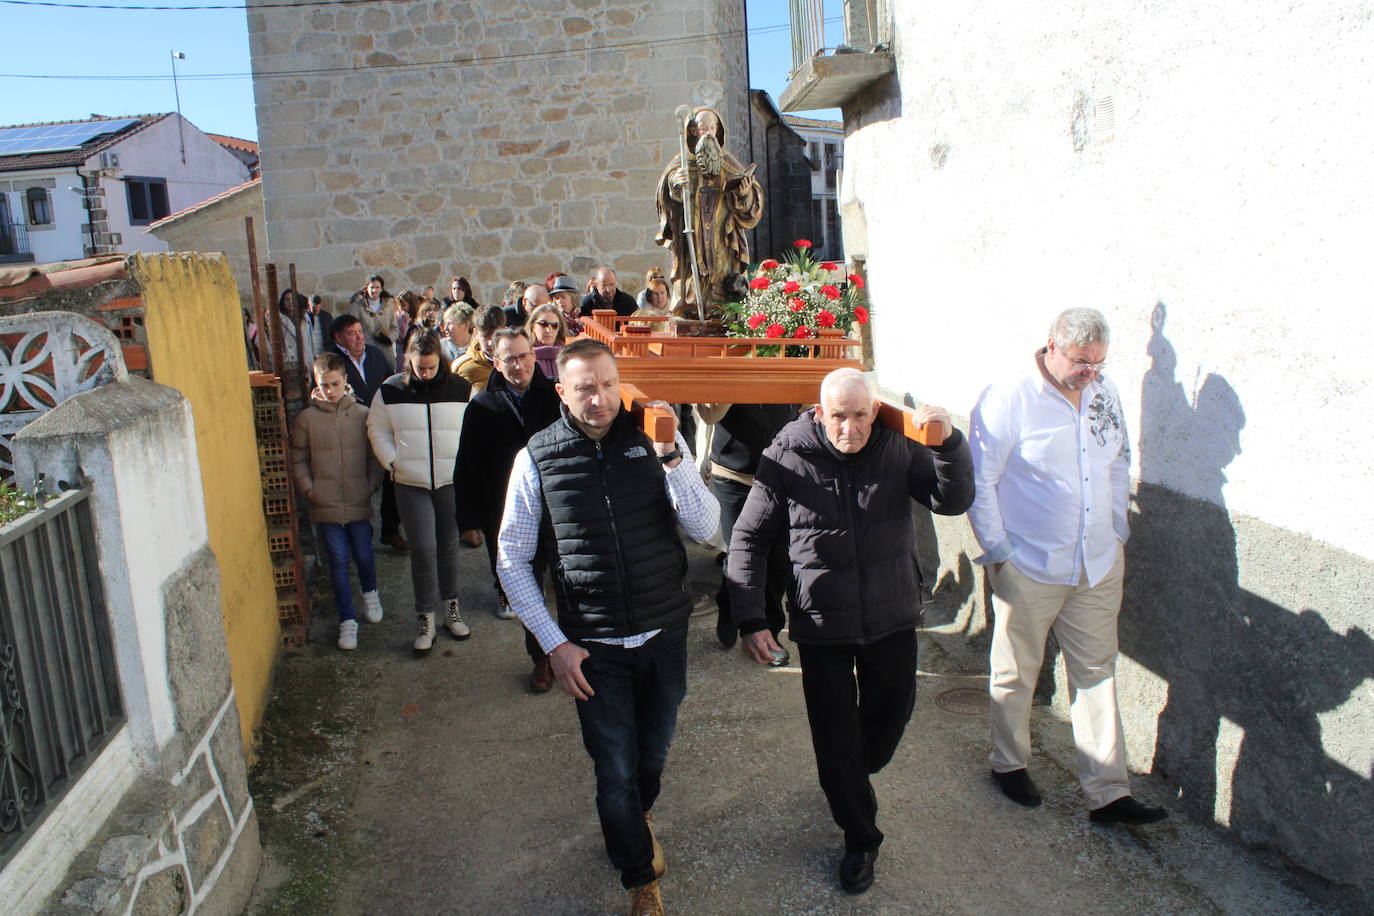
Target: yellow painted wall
[(195, 345)]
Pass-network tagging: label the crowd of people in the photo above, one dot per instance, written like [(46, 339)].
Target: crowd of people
[(502, 427)]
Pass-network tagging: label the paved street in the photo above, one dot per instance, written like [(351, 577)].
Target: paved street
[(395, 785)]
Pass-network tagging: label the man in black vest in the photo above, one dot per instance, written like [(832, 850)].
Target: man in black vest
[(366, 369), (518, 402), (597, 490), (837, 487)]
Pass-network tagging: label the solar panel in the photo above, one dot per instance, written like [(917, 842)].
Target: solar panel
[(49, 138)]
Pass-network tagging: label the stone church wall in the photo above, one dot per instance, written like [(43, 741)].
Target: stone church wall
[(496, 139)]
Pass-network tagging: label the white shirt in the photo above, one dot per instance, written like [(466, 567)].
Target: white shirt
[(696, 509), (1051, 481)]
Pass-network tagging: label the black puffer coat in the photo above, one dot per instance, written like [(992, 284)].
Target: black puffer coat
[(851, 538)]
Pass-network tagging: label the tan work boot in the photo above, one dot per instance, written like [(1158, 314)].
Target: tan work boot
[(660, 863), (646, 900), (424, 640)]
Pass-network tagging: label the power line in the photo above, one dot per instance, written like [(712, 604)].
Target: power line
[(399, 65), (225, 6)]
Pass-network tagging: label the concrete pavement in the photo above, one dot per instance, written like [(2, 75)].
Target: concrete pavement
[(390, 784)]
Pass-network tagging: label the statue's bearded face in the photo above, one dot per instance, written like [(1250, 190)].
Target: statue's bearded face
[(709, 156), (705, 144)]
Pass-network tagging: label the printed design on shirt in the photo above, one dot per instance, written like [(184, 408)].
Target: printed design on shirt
[(1104, 418), (638, 451)]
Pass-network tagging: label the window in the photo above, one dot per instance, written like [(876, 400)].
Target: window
[(814, 154), (830, 165), (147, 200), (833, 245), (39, 206), (817, 230)]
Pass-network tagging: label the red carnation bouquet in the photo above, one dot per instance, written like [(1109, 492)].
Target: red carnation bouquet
[(797, 298)]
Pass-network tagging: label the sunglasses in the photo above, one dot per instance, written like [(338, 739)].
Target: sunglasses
[(546, 324)]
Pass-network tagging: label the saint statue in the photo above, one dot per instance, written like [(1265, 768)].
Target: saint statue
[(704, 210)]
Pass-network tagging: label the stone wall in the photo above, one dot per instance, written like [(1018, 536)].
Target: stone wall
[(498, 140), (176, 832), (1187, 172), (785, 171), (219, 227)]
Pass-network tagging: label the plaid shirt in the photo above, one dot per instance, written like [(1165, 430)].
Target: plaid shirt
[(696, 509)]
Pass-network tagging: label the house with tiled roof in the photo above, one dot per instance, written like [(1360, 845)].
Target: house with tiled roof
[(76, 189)]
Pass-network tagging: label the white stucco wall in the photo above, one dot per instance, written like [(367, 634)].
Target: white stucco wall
[(155, 152), (1229, 190), (62, 238)]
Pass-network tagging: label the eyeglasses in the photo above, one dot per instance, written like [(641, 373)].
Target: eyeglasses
[(546, 324), (517, 358), (1080, 365)]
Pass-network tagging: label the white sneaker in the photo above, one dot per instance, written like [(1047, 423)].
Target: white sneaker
[(503, 609), (454, 621), (348, 634), (372, 607), (425, 640)]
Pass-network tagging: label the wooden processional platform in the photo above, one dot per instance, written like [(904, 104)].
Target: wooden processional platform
[(657, 365)]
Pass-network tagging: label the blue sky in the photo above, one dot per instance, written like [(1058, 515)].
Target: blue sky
[(131, 72)]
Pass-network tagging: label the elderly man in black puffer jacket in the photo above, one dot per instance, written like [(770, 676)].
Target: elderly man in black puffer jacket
[(838, 487)]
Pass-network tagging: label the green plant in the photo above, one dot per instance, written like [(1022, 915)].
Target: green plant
[(15, 502)]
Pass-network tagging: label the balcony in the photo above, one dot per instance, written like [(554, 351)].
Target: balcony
[(14, 243), (825, 77)]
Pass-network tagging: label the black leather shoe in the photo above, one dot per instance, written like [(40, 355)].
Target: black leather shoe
[(1127, 810), (856, 871), (725, 628), (1017, 786)]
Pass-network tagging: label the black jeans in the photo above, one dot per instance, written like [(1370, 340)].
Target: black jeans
[(731, 495), (856, 723), (391, 514), (490, 529), (627, 728)]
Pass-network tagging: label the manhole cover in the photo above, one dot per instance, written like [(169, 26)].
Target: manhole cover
[(963, 701)]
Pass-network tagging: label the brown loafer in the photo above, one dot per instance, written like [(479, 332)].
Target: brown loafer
[(541, 678)]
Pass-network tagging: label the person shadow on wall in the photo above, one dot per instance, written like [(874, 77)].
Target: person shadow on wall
[(1229, 655)]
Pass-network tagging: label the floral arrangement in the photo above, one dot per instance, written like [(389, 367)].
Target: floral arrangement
[(793, 300)]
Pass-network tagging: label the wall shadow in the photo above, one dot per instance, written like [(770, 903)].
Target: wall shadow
[(1229, 655)]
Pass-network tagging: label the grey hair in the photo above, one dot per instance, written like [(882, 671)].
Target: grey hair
[(1078, 328), (845, 379), (458, 313)]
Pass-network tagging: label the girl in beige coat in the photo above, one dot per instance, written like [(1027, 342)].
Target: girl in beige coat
[(333, 466)]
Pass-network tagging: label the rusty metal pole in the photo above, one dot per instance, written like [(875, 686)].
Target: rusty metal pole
[(274, 317), (257, 292), (298, 315)]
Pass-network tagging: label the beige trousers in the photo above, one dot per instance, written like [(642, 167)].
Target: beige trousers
[(1084, 621)]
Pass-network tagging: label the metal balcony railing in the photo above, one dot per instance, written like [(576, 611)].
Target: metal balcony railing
[(866, 24), (59, 690), (14, 239)]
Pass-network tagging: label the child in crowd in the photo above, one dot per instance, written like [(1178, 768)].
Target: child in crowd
[(333, 466)]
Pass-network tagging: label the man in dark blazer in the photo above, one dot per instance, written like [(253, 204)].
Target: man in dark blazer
[(518, 402), (366, 369)]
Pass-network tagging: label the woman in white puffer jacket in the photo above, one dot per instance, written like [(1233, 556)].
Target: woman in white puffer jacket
[(414, 424)]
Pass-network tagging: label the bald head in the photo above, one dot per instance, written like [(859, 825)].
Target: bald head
[(848, 407), (605, 284), (535, 296)]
